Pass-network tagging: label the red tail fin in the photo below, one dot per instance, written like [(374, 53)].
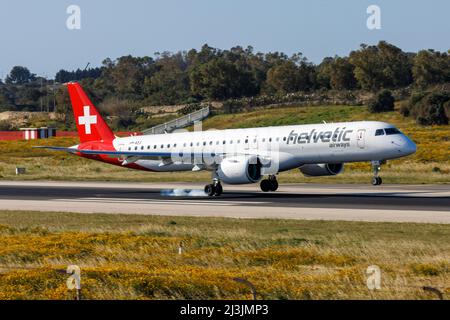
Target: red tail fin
[(90, 125)]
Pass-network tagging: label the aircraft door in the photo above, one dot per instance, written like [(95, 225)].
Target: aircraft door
[(251, 143), (361, 138), (121, 147)]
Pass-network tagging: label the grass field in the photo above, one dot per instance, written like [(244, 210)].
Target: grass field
[(431, 163), (136, 257)]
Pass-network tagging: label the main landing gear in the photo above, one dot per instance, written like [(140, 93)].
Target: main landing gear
[(376, 167), (214, 189), (270, 184)]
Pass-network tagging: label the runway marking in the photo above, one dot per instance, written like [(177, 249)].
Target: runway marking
[(162, 201)]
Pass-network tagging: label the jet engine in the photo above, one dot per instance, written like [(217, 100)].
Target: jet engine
[(240, 170), (322, 169)]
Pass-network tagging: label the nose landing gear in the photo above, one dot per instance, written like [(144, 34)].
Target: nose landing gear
[(270, 184), (376, 167)]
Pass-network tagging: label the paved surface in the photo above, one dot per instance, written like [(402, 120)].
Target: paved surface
[(395, 203)]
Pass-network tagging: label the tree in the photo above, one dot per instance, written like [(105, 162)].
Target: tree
[(342, 74), (381, 66), (63, 76), (384, 101), (127, 75), (170, 83), (19, 75), (288, 76), (324, 71), (431, 67), (6, 99), (27, 97), (221, 79)]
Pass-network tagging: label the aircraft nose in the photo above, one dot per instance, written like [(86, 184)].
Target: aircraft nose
[(409, 146)]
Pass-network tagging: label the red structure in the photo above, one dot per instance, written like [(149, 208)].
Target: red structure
[(11, 135)]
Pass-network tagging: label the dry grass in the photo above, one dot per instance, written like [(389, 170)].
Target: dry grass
[(431, 163), (135, 257)]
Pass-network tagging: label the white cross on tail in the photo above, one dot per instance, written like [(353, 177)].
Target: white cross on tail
[(87, 120)]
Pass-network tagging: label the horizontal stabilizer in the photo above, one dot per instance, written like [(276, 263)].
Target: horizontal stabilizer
[(72, 150)]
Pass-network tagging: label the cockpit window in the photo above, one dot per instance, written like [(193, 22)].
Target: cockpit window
[(379, 132), (390, 131)]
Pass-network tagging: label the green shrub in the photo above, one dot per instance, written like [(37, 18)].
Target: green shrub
[(428, 108), (384, 101)]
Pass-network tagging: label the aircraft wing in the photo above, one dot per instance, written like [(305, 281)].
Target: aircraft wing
[(141, 154)]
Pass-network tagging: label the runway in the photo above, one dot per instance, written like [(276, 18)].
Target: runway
[(390, 203)]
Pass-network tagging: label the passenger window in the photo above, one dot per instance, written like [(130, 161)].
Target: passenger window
[(284, 138), (154, 147), (246, 140), (231, 141), (224, 141), (278, 139), (162, 146), (192, 144), (204, 143), (239, 141), (135, 148), (142, 148), (379, 132)]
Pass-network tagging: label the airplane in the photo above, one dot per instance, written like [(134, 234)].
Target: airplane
[(239, 156)]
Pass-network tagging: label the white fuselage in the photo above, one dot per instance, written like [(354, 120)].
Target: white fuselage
[(289, 146)]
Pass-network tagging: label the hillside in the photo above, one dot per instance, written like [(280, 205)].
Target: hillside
[(431, 163)]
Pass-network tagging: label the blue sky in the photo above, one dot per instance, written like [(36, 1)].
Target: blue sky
[(34, 33)]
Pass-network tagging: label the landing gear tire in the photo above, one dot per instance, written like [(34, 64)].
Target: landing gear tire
[(209, 190), (270, 184), (218, 190), (376, 181), (214, 189), (265, 185), (273, 185)]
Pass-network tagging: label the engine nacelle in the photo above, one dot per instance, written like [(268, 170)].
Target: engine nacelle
[(240, 170), (322, 169)]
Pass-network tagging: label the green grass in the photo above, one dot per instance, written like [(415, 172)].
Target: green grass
[(136, 257), (431, 163)]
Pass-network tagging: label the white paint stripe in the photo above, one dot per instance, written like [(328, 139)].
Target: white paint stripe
[(168, 201), (212, 210)]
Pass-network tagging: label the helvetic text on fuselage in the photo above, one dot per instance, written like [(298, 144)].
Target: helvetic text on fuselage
[(338, 138)]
